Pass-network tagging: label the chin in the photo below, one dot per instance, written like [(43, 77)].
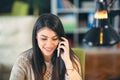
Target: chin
[(48, 53)]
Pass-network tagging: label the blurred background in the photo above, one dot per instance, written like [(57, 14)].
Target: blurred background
[(17, 18)]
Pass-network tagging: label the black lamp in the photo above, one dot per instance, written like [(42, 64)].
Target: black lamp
[(101, 34)]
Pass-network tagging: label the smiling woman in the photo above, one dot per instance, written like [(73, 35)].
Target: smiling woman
[(41, 61), (47, 42)]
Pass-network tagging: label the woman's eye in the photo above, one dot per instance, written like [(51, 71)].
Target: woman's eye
[(43, 39)]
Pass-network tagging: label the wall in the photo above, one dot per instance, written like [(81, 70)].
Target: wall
[(15, 36)]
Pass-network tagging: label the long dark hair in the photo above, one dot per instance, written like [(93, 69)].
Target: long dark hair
[(39, 67)]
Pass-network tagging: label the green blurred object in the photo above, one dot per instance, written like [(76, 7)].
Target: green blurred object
[(68, 22), (19, 8), (81, 54)]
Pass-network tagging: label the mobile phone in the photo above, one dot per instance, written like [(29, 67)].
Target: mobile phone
[(59, 50)]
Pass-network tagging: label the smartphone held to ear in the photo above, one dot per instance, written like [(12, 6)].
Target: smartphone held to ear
[(61, 46), (58, 52), (59, 49)]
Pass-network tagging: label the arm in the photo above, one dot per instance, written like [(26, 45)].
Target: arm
[(72, 72)]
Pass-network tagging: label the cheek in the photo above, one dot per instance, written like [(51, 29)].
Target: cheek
[(56, 44), (40, 43)]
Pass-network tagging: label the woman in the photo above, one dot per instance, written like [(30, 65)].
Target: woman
[(50, 57)]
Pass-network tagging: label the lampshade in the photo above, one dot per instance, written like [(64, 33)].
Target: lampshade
[(101, 36), (102, 33)]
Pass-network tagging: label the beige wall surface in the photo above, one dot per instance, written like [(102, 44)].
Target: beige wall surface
[(15, 36)]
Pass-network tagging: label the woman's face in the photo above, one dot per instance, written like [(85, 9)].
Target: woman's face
[(47, 41)]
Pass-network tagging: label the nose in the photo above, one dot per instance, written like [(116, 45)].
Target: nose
[(49, 43)]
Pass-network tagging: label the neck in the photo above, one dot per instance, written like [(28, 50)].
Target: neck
[(47, 59)]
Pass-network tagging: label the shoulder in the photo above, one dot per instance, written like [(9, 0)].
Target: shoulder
[(28, 53), (22, 65), (25, 56)]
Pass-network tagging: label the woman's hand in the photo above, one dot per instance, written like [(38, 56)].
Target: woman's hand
[(65, 54)]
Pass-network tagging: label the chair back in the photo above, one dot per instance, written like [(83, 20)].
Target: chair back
[(19, 8), (81, 55)]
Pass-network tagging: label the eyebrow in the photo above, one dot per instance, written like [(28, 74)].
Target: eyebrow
[(43, 35), (47, 36)]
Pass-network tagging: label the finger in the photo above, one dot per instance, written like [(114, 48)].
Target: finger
[(62, 47), (64, 39), (63, 43)]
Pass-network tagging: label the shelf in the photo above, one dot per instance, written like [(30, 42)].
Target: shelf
[(79, 31), (74, 18), (75, 10), (67, 11)]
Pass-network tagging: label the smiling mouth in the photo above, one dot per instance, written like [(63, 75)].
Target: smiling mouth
[(48, 49)]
